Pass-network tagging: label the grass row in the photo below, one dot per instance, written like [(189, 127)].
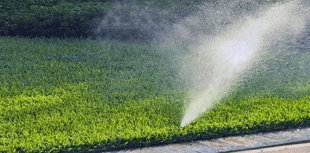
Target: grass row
[(91, 95)]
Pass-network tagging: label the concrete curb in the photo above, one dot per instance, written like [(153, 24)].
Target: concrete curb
[(248, 142)]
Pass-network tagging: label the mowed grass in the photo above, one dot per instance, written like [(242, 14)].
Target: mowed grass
[(70, 95)]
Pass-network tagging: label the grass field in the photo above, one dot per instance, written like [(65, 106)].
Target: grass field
[(70, 95)]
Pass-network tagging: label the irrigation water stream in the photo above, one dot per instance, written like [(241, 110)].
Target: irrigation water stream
[(223, 58), (220, 60)]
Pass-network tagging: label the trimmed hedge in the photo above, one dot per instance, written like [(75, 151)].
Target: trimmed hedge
[(49, 18), (71, 18)]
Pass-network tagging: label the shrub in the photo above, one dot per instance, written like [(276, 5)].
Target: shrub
[(120, 19), (49, 18)]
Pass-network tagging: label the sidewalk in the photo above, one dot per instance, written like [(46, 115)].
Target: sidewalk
[(294, 148), (285, 141)]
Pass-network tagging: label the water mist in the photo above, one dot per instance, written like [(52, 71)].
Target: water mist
[(220, 58)]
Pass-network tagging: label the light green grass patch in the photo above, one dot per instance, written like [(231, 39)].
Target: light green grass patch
[(92, 95)]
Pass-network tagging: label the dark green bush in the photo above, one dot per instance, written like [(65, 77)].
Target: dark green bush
[(72, 18), (140, 19), (49, 18)]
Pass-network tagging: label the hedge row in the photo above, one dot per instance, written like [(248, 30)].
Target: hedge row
[(49, 18), (123, 19), (71, 18)]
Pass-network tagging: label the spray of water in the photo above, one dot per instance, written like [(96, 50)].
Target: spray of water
[(220, 60), (224, 38)]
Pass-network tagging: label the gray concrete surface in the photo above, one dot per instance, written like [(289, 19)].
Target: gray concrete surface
[(294, 148), (259, 141)]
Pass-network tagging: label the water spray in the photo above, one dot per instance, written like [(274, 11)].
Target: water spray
[(228, 55)]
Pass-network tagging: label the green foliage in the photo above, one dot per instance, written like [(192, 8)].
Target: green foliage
[(49, 18), (71, 18), (90, 95)]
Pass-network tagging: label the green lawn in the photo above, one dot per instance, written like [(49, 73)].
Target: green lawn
[(91, 95)]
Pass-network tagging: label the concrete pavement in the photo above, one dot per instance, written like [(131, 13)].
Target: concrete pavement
[(291, 140)]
